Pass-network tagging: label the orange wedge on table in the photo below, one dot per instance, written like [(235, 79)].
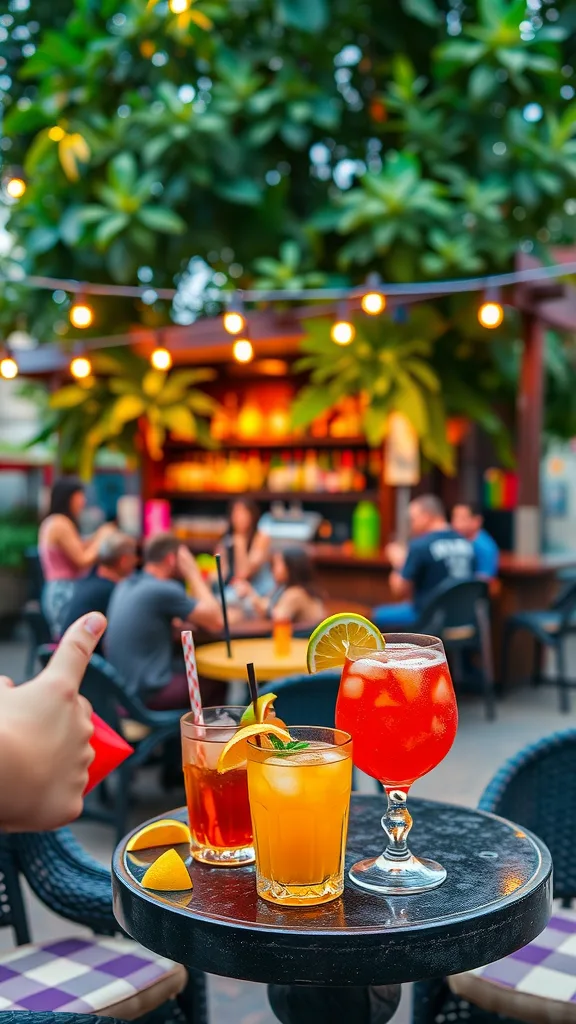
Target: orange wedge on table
[(164, 832), (168, 873), (234, 753)]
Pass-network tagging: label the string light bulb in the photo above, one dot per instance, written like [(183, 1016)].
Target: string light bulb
[(234, 320), (81, 314), (490, 314), (342, 331), (161, 359), (243, 350), (16, 187), (373, 301), (80, 367), (178, 6), (8, 368)]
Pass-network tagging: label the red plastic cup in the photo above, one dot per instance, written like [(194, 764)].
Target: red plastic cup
[(110, 751)]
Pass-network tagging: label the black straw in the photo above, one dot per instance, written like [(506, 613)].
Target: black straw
[(224, 608), (252, 683)]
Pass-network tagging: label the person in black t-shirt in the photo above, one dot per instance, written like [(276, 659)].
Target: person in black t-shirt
[(115, 561), (435, 553)]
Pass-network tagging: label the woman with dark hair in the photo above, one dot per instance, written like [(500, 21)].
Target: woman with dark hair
[(64, 554), (245, 552), (297, 597)]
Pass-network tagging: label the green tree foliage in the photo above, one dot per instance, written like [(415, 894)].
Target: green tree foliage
[(286, 142)]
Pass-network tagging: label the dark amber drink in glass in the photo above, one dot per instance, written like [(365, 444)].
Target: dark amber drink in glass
[(218, 808)]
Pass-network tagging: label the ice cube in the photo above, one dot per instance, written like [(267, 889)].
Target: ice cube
[(438, 725), (385, 700), (442, 692), (225, 719), (276, 772), (353, 686)]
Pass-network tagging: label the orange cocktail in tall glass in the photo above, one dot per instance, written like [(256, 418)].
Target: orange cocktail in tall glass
[(300, 800), (400, 709), (218, 808)]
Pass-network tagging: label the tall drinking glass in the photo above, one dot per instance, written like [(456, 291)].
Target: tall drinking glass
[(300, 800), (400, 709), (218, 808)]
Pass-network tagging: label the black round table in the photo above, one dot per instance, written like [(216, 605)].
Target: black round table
[(497, 897)]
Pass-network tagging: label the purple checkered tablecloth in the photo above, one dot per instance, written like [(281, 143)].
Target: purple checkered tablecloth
[(545, 967), (77, 975)]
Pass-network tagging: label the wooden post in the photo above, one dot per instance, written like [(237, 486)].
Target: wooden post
[(530, 415)]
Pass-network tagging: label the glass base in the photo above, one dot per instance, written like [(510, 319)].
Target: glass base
[(224, 858), (299, 895), (397, 877)]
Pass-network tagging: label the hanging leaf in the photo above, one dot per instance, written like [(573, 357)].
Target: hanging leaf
[(424, 10), (126, 408), (153, 382), (67, 397), (310, 403), (159, 218), (306, 15), (180, 421)]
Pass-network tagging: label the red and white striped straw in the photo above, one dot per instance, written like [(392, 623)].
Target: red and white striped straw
[(192, 676)]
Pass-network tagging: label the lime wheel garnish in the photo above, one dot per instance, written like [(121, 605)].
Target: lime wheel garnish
[(329, 643)]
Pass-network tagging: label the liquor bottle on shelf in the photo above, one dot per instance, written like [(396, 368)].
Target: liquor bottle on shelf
[(361, 465), (223, 424), (346, 473), (310, 472)]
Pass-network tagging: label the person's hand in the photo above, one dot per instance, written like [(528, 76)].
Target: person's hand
[(105, 530), (45, 732), (242, 587), (187, 565), (396, 554)]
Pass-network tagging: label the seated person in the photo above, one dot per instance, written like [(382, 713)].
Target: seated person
[(467, 520), (116, 559), (296, 598), (435, 553), (245, 556), (139, 642)]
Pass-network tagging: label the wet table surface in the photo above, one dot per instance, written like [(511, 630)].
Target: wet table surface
[(497, 897)]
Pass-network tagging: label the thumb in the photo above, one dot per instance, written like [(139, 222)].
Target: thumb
[(69, 661)]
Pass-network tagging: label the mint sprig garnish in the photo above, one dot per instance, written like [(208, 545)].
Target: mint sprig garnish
[(285, 749)]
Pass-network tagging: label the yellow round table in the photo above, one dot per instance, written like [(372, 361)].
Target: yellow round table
[(214, 663)]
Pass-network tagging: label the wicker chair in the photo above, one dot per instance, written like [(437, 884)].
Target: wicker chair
[(75, 886), (19, 1017), (537, 789)]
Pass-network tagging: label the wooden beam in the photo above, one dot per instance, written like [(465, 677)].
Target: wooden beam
[(529, 419)]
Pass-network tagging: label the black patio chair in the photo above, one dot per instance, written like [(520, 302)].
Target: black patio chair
[(67, 880), (105, 690), (550, 627), (459, 613), (38, 632), (536, 788)]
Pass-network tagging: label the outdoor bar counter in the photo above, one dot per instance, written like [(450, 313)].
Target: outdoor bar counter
[(523, 584)]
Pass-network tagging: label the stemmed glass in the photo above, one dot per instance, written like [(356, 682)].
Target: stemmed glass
[(400, 709)]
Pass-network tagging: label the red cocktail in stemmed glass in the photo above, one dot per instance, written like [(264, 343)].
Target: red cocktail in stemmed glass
[(400, 709)]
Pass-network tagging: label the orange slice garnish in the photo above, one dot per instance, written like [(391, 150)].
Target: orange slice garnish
[(234, 753)]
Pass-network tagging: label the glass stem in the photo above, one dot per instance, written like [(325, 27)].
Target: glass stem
[(397, 823)]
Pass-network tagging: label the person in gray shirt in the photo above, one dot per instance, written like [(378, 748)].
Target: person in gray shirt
[(139, 638)]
